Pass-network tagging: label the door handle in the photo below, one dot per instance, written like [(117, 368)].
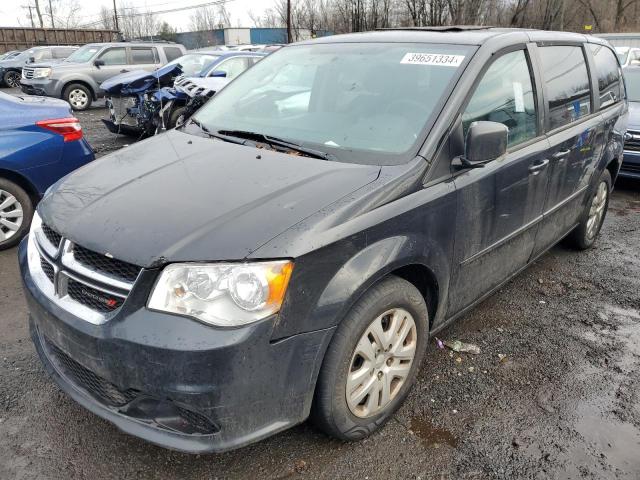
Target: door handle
[(124, 71), (561, 154), (536, 168)]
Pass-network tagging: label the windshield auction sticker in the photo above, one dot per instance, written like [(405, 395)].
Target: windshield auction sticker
[(433, 59)]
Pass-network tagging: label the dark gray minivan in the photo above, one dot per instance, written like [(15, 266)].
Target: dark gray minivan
[(289, 251)]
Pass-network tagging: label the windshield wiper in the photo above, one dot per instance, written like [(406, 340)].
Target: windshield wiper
[(275, 141), (219, 136)]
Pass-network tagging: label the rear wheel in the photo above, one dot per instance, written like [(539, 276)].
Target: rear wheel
[(372, 361), (16, 211), (78, 96), (11, 79), (585, 234)]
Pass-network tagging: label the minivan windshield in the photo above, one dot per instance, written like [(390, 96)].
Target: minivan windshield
[(83, 54), (194, 64), (360, 102), (632, 81)]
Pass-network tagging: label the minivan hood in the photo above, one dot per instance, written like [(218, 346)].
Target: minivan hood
[(179, 197)]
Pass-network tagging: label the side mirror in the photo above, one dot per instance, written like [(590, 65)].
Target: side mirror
[(218, 73), (485, 141), (98, 63)]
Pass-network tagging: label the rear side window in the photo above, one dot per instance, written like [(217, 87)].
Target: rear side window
[(142, 55), (172, 53), (565, 74), (233, 66), (114, 56), (609, 75), (505, 95)]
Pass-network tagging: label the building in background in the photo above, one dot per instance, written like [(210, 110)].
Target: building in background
[(242, 36), (621, 39)]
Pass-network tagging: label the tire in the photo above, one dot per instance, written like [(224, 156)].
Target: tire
[(78, 96), (586, 233), (174, 118), (13, 225), (11, 79), (331, 411)]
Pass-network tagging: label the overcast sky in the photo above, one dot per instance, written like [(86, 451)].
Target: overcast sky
[(13, 15)]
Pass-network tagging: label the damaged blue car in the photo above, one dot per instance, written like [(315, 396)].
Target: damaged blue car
[(145, 103)]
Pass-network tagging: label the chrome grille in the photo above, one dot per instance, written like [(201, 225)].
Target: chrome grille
[(119, 269), (93, 298), (53, 237), (47, 268), (633, 144), (89, 285), (27, 72)]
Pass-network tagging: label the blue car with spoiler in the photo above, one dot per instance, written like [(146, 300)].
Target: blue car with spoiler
[(40, 142)]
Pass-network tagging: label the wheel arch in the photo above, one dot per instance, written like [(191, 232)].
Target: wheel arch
[(614, 167), (22, 182), (84, 83), (412, 257)]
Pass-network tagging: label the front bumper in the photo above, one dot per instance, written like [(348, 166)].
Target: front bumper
[(173, 381), (46, 87), (122, 128), (630, 167)]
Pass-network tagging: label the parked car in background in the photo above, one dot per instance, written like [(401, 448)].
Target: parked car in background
[(221, 282), (631, 162), (40, 142), (11, 68), (77, 79), (143, 103), (628, 56), (10, 54)]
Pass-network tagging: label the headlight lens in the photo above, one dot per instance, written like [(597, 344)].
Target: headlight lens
[(223, 294), (41, 72)]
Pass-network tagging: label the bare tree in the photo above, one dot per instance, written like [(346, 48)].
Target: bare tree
[(107, 20)]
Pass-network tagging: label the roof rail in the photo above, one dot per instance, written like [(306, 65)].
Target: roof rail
[(446, 28)]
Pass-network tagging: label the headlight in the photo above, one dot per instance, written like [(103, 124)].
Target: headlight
[(41, 72), (223, 294)]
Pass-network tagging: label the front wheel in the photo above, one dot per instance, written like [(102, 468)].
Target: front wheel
[(12, 79), (372, 361), (177, 117), (585, 234), (16, 211), (78, 96)]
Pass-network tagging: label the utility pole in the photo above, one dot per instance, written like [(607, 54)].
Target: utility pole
[(53, 25), (115, 15), (288, 21)]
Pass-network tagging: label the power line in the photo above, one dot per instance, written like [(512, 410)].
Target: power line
[(179, 9), (151, 12)]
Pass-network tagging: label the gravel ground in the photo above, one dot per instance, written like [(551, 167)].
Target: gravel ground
[(554, 394)]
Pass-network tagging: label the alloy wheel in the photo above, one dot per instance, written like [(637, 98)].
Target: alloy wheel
[(78, 98), (381, 362), (596, 212), (13, 79), (11, 215)]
